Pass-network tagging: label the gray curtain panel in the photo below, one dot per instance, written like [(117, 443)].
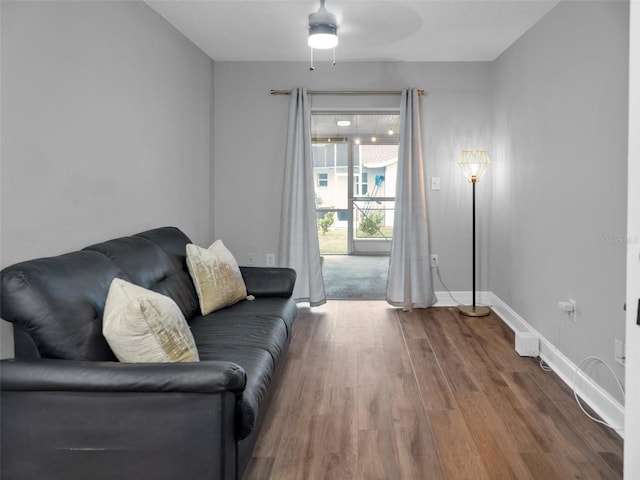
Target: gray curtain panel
[(410, 283), (299, 247)]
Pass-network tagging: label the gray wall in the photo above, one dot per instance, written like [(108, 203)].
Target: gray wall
[(106, 128), (251, 127), (558, 211)]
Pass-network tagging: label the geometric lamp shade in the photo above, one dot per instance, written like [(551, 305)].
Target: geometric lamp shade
[(474, 163)]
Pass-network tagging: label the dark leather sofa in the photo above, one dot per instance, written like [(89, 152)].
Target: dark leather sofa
[(70, 410)]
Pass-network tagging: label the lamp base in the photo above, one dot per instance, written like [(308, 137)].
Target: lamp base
[(471, 311)]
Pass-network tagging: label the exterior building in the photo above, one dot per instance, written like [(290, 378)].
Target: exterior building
[(374, 176)]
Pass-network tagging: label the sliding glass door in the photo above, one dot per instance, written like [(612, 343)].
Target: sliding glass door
[(355, 162)]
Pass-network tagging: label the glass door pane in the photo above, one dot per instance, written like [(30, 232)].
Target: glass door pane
[(374, 182), (330, 166)]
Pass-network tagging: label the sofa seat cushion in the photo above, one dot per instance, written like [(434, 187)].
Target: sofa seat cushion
[(282, 308), (241, 327), (259, 370)]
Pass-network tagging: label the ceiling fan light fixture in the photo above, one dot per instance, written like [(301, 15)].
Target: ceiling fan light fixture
[(322, 37), (323, 41), (323, 29)]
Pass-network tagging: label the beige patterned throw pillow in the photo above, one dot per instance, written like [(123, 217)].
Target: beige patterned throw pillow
[(216, 276), (145, 326)]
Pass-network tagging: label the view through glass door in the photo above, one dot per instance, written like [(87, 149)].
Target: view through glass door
[(355, 159), (355, 163)]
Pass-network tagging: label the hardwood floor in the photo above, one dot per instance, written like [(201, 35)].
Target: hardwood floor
[(371, 392)]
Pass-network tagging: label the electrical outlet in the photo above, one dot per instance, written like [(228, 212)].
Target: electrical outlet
[(271, 259), (618, 351), (569, 307), (251, 258), (433, 260)]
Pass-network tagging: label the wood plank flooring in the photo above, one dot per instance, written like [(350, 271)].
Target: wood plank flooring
[(370, 392)]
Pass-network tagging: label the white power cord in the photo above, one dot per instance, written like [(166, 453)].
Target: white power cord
[(437, 269), (543, 364), (575, 393)]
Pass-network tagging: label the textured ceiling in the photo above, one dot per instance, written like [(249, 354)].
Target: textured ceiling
[(416, 31)]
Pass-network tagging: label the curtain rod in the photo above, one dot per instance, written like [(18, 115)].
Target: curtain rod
[(345, 92)]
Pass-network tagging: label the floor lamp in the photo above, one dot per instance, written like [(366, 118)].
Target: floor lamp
[(474, 163)]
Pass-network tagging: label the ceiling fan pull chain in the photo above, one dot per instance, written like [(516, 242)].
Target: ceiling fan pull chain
[(334, 56), (311, 67)]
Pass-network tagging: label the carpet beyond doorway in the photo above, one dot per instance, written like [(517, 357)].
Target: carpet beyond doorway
[(355, 276)]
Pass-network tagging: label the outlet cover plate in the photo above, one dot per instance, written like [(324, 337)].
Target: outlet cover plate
[(271, 259)]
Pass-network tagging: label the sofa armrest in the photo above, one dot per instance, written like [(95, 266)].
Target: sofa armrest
[(66, 419), (269, 281), (86, 376)]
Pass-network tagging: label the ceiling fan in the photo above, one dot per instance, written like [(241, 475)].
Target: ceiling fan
[(323, 31)]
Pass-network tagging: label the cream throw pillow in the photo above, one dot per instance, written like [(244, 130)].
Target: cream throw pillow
[(216, 276), (145, 326)]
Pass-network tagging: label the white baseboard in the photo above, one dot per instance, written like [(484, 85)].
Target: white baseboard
[(598, 399)]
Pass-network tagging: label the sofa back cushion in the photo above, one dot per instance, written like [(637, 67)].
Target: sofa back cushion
[(58, 302), (177, 283), (155, 260)]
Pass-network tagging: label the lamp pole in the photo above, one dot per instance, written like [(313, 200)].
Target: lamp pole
[(474, 164), (474, 180)]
